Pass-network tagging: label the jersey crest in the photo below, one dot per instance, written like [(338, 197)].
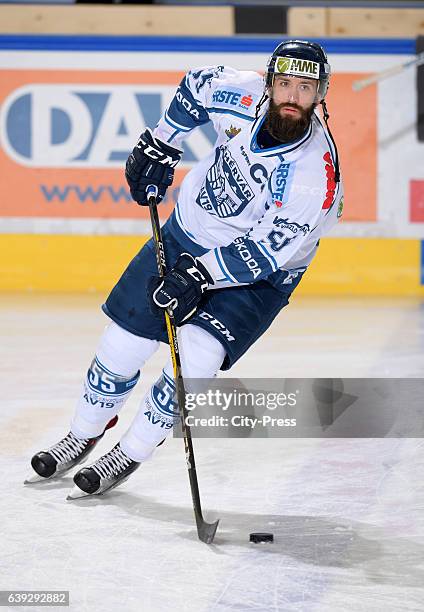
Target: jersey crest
[(226, 191)]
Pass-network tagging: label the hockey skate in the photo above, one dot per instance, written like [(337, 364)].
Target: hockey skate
[(63, 456), (104, 474)]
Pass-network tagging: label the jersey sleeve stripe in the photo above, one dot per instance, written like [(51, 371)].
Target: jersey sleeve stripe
[(175, 125), (180, 223), (227, 111), (223, 267), (173, 135), (268, 255)]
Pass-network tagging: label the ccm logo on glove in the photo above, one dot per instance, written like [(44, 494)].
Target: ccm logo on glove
[(181, 289), (151, 162), (157, 155)]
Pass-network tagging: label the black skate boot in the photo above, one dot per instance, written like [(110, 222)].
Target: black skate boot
[(63, 456), (104, 474)]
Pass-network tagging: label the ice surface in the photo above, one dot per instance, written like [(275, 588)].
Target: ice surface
[(347, 515)]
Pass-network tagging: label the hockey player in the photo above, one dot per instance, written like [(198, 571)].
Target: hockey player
[(246, 226)]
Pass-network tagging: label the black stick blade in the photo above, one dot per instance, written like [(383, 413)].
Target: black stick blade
[(206, 531)]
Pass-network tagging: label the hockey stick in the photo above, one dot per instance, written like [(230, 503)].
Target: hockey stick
[(205, 531), (384, 74)]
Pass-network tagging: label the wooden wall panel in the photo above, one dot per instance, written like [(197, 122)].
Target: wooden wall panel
[(307, 22), (376, 22), (206, 21), (117, 20)]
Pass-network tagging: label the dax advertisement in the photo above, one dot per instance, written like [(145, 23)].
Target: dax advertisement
[(65, 136)]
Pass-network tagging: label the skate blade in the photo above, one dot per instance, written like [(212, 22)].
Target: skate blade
[(34, 478), (77, 493)]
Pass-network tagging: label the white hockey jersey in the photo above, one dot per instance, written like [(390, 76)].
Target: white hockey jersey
[(256, 211)]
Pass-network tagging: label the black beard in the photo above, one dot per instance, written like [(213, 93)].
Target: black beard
[(287, 129)]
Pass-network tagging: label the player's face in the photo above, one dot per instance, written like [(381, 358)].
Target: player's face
[(291, 107), (293, 94)]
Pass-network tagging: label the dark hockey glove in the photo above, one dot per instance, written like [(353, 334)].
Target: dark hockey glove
[(151, 162), (181, 289)]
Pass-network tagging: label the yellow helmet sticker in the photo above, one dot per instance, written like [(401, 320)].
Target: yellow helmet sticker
[(297, 67)]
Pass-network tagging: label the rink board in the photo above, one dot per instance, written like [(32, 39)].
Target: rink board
[(70, 111), (344, 266)]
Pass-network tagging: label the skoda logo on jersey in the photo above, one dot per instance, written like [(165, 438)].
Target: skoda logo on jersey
[(77, 126), (186, 104)]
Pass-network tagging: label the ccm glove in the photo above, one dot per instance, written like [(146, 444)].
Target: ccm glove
[(151, 162), (181, 289)]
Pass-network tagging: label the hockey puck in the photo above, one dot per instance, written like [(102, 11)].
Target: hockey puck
[(259, 538)]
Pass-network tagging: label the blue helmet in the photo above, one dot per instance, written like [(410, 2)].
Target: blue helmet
[(300, 58)]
